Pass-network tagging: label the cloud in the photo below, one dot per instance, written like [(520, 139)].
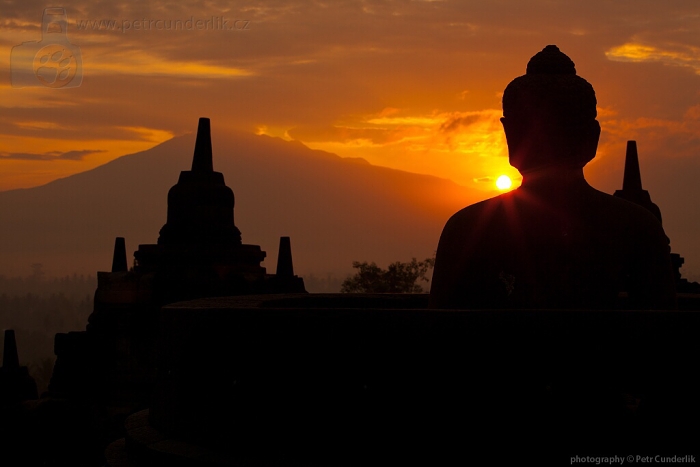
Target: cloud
[(674, 138), (683, 55), (456, 122), (50, 156), (376, 136), (149, 64)]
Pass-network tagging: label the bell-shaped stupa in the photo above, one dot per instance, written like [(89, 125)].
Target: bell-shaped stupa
[(199, 251)]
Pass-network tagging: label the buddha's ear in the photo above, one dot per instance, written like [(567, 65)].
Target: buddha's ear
[(508, 130), (594, 131), (515, 135), (589, 142), (597, 138), (511, 130), (514, 130), (504, 122)]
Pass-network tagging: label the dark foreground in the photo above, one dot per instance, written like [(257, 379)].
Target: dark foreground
[(379, 380)]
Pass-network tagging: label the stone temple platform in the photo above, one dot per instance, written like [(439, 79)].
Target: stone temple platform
[(335, 379)]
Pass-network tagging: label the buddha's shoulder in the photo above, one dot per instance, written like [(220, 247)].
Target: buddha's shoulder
[(492, 208), (595, 206)]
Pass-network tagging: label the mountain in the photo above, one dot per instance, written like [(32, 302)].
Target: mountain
[(335, 210)]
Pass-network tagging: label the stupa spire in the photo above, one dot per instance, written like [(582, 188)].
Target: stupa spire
[(632, 182), (202, 160), (632, 179), (119, 256), (285, 266)]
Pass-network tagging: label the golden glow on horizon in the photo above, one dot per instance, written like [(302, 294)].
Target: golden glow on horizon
[(504, 182), (460, 146)]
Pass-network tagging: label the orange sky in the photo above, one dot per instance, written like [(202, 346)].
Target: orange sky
[(414, 85)]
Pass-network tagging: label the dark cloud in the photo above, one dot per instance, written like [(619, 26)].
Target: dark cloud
[(78, 155), (50, 156), (456, 122), (344, 134)]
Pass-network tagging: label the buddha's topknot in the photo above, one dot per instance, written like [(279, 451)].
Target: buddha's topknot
[(550, 61), (550, 90)]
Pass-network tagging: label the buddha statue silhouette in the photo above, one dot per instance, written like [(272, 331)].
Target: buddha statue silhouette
[(555, 242)]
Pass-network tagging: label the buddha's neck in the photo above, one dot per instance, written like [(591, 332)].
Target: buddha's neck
[(554, 179)]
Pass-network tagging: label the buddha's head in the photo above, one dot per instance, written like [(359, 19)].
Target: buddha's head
[(549, 115)]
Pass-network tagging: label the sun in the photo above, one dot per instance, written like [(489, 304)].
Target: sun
[(503, 182)]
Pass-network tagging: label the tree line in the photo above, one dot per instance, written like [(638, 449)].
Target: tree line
[(398, 277)]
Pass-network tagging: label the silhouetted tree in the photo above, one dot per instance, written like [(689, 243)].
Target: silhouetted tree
[(397, 278)]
